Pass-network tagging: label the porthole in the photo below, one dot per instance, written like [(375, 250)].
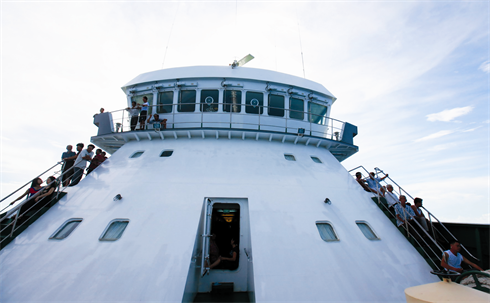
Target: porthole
[(166, 153), (137, 154), (289, 157), (66, 229), (114, 230), (327, 232), (367, 230), (316, 160)]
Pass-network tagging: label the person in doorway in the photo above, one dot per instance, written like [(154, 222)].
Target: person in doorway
[(80, 164), (68, 159), (134, 112), (31, 191), (214, 257), (144, 112), (419, 215), (451, 258), (231, 262)]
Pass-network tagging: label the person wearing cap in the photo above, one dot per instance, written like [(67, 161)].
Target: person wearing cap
[(81, 162)]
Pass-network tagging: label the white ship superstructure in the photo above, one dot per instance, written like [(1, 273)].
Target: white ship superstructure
[(246, 153)]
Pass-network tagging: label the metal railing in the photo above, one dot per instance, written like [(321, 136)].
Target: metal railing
[(436, 233), (227, 115), (13, 219)]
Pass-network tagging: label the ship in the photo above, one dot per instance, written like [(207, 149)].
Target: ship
[(241, 153)]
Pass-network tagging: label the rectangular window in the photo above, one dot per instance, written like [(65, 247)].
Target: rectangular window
[(166, 153), (366, 230), (316, 159), (187, 100), (66, 229), (209, 100), (276, 105), (115, 230), (232, 100), (289, 157), (317, 113), (326, 231), (296, 108), (165, 101), (139, 101), (254, 103), (137, 154)]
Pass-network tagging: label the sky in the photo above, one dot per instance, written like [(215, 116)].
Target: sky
[(413, 76)]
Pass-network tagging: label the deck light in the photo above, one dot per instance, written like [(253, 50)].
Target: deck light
[(327, 201), (117, 197)]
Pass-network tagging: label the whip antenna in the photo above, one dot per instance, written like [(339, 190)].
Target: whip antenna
[(170, 34)]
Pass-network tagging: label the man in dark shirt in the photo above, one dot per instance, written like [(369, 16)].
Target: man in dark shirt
[(68, 159)]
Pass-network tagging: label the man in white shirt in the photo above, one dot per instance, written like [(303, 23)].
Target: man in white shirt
[(390, 196), (80, 164), (451, 259)]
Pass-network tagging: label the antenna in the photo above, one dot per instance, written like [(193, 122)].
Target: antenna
[(242, 61)]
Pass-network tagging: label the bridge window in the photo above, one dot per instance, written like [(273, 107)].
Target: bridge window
[(115, 230), (317, 113), (254, 103), (289, 157), (137, 154), (187, 100), (66, 229), (326, 231), (165, 101), (232, 101), (139, 100), (276, 105), (316, 160), (209, 100), (367, 230), (296, 109)]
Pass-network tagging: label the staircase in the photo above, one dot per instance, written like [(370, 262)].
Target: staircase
[(429, 244), (14, 219)]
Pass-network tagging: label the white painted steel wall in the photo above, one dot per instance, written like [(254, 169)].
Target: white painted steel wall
[(163, 199)]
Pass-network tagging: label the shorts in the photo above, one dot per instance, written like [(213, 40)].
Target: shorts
[(143, 115)]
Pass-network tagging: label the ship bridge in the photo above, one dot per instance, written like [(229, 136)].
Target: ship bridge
[(227, 103)]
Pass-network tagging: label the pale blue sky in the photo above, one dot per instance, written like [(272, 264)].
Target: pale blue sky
[(413, 76)]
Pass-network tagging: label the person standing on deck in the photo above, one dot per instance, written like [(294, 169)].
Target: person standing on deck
[(134, 112), (144, 113), (81, 162)]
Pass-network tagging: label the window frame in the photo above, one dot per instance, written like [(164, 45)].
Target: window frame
[(337, 238), (59, 229), (228, 107), (160, 106), (101, 238), (377, 238), (260, 105), (271, 110), (215, 102), (294, 111), (181, 105)]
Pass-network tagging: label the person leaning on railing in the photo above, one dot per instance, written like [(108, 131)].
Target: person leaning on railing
[(34, 189), (134, 112)]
